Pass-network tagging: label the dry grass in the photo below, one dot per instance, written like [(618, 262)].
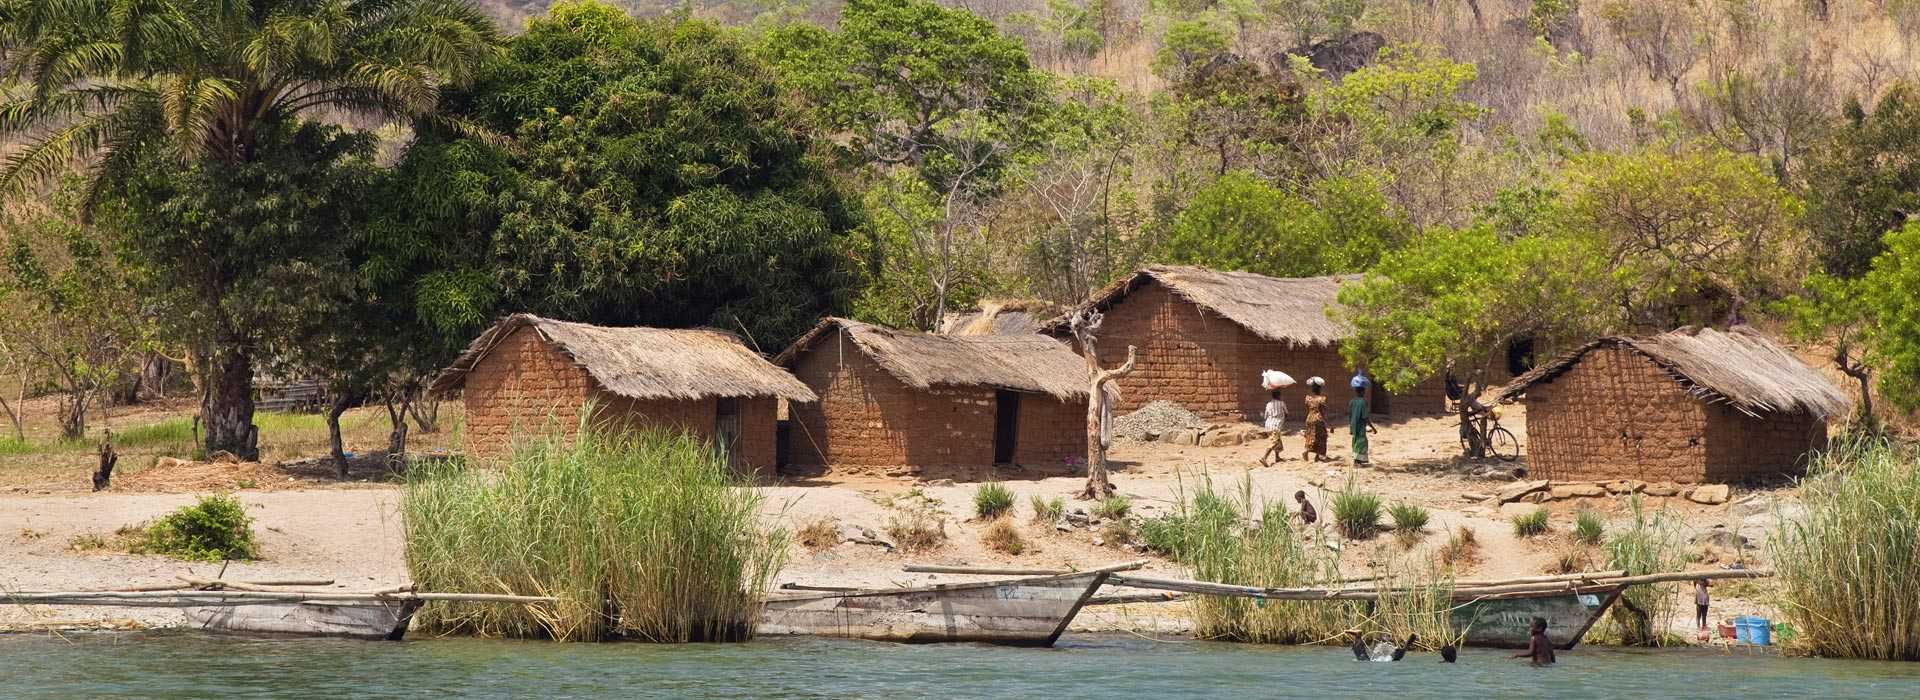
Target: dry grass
[(1462, 550), (819, 534), (1002, 536), (917, 530)]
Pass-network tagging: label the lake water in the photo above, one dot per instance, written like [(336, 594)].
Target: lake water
[(175, 664)]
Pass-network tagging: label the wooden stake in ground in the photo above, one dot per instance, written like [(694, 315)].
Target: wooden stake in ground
[(103, 477), (1086, 326)]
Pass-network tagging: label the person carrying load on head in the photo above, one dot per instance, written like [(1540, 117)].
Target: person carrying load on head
[(1357, 420), (1315, 432), (1275, 413)]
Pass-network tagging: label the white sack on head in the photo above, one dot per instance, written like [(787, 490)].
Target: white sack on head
[(1275, 379)]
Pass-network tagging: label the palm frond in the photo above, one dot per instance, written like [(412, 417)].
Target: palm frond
[(42, 161), (21, 114)]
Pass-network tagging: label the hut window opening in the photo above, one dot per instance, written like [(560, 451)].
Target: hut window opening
[(1006, 425)]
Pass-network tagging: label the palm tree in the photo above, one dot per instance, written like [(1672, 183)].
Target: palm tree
[(89, 79)]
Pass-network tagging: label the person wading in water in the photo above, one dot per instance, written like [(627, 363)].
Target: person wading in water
[(1539, 648), (1315, 432)]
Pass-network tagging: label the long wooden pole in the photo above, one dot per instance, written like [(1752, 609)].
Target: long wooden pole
[(1222, 589), (178, 586), (186, 599)]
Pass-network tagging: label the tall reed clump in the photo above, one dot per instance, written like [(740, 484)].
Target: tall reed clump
[(1648, 544), (992, 500), (1847, 568), (1415, 599), (1356, 512), (1218, 539), (644, 536)]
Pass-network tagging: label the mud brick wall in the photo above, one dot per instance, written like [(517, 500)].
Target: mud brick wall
[(520, 389), (1741, 447), (1050, 433), (1212, 366), (1614, 415), (869, 422), (525, 387)]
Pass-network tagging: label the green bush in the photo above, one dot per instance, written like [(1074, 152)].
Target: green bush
[(1588, 529), (1848, 564), (1356, 512), (1408, 517), (648, 536), (215, 529), (992, 500), (1531, 523), (1165, 535), (1048, 510), (1114, 508)]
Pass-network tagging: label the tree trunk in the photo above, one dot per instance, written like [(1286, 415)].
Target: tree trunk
[(397, 417), (1086, 326), (73, 415), (1843, 359), (14, 407), (341, 400), (226, 406), (428, 419)]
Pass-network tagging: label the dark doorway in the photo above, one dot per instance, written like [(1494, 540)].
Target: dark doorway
[(1006, 425), (726, 430), (1520, 356), (1379, 400)]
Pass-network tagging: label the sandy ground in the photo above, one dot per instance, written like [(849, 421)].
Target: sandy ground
[(352, 533)]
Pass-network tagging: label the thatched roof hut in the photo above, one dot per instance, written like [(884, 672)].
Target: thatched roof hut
[(528, 375), (906, 403), (1289, 310), (1001, 317), (1740, 368), (642, 363), (923, 360), (1689, 406)]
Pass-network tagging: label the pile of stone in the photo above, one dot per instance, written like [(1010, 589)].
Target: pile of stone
[(1156, 419), (1542, 491)]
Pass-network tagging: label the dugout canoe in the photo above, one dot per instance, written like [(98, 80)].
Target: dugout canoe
[(1506, 621), (375, 620), (1029, 611)]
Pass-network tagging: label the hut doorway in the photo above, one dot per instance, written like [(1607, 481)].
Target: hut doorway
[(1006, 425), (726, 430)]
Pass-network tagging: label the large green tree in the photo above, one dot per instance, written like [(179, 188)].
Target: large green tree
[(1865, 181), (1240, 222), (656, 174), (135, 88)]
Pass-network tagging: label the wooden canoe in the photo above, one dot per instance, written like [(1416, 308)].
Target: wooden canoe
[(1030, 611), (386, 620), (1506, 621)]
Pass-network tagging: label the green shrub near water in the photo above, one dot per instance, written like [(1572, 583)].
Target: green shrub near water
[(1408, 517), (991, 500), (1847, 567), (215, 529), (1648, 544), (1047, 511), (647, 536), (1114, 508), (1588, 529), (1356, 512)]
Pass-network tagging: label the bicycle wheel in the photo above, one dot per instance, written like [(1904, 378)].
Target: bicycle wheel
[(1503, 444)]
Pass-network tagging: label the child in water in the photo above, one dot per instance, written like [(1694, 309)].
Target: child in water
[(1539, 648)]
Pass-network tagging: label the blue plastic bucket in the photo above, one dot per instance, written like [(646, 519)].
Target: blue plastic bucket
[(1743, 630), (1762, 632)]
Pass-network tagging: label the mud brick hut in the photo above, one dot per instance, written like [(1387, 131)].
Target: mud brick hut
[(1203, 336), (527, 374), (906, 403), (1689, 406)]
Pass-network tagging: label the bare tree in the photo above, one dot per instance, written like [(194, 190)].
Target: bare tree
[(1086, 327)]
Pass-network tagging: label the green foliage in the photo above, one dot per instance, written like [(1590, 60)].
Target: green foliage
[(1314, 20), (1588, 529), (647, 536), (1686, 230), (1241, 223), (1189, 43), (170, 432), (214, 529), (1408, 100), (1649, 544), (1210, 532), (1891, 295), (992, 500), (913, 83), (1356, 512), (1550, 18), (1848, 563), (1861, 184), (1532, 523), (658, 176), (1408, 517), (1047, 511), (1114, 508), (1233, 111)]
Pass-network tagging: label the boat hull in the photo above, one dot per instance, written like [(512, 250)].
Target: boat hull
[(1507, 622), (1023, 612), (372, 620)]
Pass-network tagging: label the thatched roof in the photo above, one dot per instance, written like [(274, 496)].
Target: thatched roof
[(923, 360), (1288, 310), (644, 363), (1001, 317), (1740, 368)]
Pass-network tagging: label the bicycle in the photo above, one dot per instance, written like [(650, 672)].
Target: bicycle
[(1499, 442)]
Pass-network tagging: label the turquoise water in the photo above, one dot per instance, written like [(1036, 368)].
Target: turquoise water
[(193, 665)]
